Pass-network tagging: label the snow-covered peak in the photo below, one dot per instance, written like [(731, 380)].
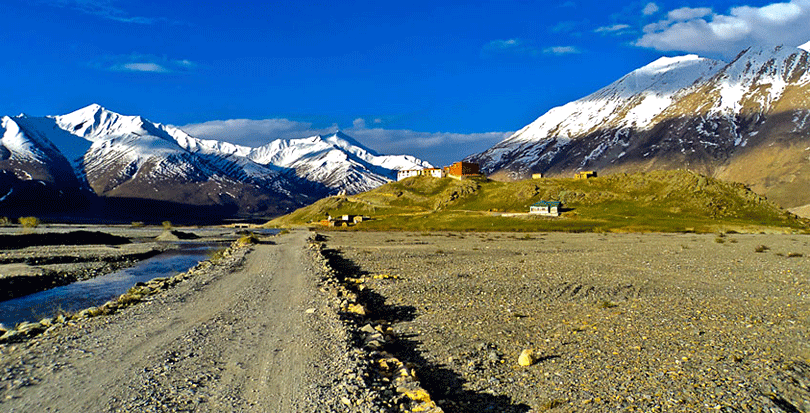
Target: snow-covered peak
[(95, 122), (770, 69), (664, 76), (764, 60), (632, 101), (336, 160), (14, 140), (665, 64), (707, 108), (287, 152), (18, 143), (346, 142), (204, 146), (109, 150)]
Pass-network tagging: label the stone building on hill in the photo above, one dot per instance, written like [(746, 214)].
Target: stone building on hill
[(462, 170)]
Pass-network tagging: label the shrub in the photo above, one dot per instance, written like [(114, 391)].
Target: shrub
[(552, 404), (250, 238), (4, 222), (29, 222), (137, 224), (607, 304), (217, 256), (167, 225)]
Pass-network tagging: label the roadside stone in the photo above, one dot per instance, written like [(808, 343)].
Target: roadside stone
[(526, 358), (356, 309)]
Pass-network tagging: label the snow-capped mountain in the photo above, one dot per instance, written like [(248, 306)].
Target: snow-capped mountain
[(746, 121), (337, 161), (33, 172), (98, 152)]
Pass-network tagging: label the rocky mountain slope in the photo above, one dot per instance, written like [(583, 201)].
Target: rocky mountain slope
[(94, 152), (744, 121)]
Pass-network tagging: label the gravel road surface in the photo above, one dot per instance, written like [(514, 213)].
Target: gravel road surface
[(253, 334)]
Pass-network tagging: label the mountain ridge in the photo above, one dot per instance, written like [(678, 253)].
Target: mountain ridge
[(103, 153), (744, 121)]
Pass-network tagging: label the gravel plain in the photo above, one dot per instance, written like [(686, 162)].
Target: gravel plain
[(615, 322), (431, 322)]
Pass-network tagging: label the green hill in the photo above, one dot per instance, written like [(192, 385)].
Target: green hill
[(662, 201)]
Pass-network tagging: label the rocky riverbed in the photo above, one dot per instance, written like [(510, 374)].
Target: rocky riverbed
[(613, 322), (28, 270), (50, 256)]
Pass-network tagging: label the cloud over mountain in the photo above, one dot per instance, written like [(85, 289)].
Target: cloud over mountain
[(425, 145), (703, 30)]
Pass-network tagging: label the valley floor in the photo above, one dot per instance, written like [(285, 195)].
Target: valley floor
[(619, 322)]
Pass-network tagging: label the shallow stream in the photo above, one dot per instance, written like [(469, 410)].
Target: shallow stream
[(99, 290)]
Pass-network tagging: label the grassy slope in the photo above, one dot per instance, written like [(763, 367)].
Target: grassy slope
[(667, 201)]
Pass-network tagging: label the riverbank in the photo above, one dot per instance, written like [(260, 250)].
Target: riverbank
[(49, 256), (28, 270), (615, 322)]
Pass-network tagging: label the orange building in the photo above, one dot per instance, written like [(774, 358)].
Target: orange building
[(462, 169)]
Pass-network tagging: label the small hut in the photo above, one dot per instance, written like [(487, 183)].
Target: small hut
[(546, 208)]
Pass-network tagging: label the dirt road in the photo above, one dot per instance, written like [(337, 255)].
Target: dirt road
[(227, 340)]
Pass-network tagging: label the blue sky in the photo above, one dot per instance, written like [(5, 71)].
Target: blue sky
[(436, 79)]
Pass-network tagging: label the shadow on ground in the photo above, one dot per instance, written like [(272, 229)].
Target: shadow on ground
[(442, 383)]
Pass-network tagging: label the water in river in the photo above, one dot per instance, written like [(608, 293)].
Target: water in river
[(99, 290)]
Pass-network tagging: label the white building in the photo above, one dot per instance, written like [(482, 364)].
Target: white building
[(407, 173), (548, 208)]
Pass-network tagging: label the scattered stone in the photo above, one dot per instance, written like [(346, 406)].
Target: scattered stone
[(356, 309), (526, 358)]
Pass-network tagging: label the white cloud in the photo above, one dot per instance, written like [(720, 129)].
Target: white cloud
[(509, 46), (565, 26), (688, 13), (436, 147), (250, 132), (144, 63), (561, 50), (650, 9), (142, 67), (105, 9), (698, 30), (612, 29), (503, 44)]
